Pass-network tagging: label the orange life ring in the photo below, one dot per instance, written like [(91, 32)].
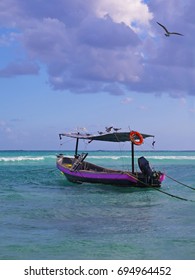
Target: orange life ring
[(136, 137)]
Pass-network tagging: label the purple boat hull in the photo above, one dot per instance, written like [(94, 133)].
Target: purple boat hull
[(90, 173), (98, 177)]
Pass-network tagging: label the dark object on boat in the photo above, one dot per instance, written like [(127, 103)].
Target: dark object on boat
[(108, 129), (144, 166), (77, 170), (146, 169)]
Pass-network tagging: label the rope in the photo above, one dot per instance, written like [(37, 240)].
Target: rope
[(172, 195), (157, 189), (180, 182)]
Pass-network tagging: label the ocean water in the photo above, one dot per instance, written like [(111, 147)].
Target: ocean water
[(43, 216)]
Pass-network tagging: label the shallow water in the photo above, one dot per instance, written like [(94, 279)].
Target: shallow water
[(43, 216)]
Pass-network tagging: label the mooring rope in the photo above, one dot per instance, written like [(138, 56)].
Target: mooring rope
[(172, 195), (159, 190), (180, 182)]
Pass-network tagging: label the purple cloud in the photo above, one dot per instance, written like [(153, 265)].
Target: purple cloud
[(98, 33), (19, 68), (103, 46)]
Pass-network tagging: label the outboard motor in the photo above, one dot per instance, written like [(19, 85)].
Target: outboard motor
[(153, 177), (144, 166)]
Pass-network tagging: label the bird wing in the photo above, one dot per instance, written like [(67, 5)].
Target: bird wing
[(176, 33), (163, 27)]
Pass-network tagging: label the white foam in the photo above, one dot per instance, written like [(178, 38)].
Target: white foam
[(172, 157), (20, 158), (147, 157), (107, 157)]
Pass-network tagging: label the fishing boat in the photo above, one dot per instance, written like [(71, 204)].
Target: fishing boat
[(77, 170)]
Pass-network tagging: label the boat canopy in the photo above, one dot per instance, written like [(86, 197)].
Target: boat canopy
[(108, 137)]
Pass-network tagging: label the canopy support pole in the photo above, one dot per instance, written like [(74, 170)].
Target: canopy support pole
[(132, 157), (76, 148)]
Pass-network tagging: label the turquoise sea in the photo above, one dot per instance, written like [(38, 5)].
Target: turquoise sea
[(43, 216)]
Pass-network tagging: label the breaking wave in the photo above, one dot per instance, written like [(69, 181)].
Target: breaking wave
[(107, 157), (25, 158), (147, 156), (21, 158), (172, 157), (99, 158)]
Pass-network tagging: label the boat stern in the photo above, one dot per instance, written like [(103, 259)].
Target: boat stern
[(150, 177)]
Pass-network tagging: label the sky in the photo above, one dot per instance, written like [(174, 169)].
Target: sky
[(72, 64)]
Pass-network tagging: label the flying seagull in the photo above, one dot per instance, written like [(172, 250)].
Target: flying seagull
[(169, 33)]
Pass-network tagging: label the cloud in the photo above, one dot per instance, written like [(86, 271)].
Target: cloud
[(127, 100), (19, 68), (98, 33), (5, 128), (132, 13), (92, 46)]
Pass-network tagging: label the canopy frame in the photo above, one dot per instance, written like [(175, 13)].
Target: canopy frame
[(107, 137)]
